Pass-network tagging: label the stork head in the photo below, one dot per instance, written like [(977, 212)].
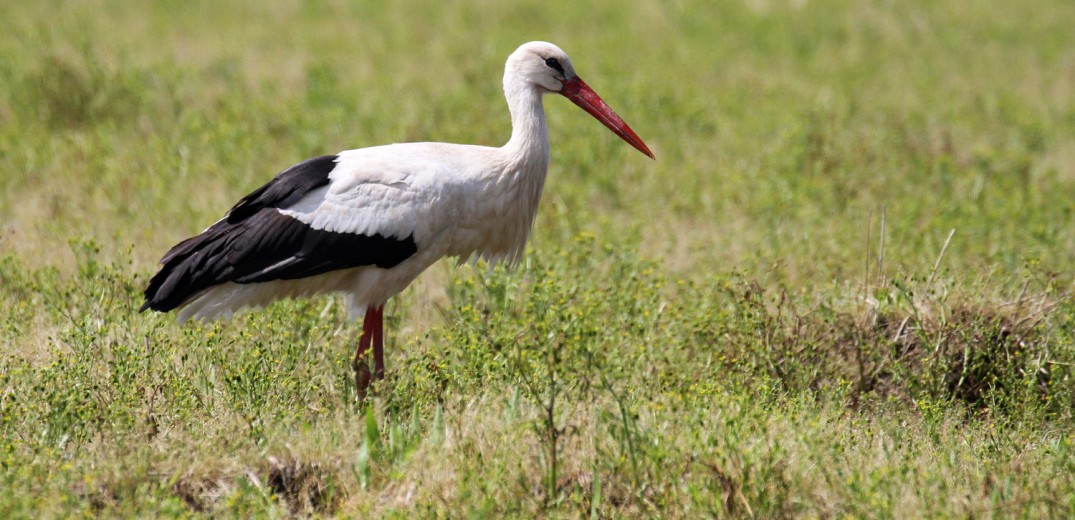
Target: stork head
[(546, 67), (541, 64)]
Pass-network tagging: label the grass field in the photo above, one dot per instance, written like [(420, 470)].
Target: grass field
[(842, 290)]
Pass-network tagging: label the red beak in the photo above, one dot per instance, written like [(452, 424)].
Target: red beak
[(582, 95)]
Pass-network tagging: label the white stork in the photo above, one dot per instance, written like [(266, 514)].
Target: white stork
[(367, 222)]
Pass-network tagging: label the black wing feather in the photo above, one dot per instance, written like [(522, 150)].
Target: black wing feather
[(256, 243)]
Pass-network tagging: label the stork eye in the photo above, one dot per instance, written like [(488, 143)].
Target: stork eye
[(554, 64)]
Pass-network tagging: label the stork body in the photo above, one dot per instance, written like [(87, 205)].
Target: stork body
[(367, 222)]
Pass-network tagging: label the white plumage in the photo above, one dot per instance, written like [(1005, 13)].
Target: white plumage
[(367, 222)]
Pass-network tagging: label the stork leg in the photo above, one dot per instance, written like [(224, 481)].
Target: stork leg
[(372, 335), (378, 343), (361, 363)]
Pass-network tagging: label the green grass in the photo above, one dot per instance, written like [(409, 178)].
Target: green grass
[(842, 290)]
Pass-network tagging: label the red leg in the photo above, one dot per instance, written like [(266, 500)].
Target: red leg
[(378, 343), (361, 364)]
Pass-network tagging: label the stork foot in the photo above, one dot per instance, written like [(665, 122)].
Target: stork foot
[(363, 378)]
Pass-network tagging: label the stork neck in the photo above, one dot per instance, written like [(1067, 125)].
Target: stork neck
[(529, 133)]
